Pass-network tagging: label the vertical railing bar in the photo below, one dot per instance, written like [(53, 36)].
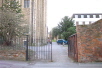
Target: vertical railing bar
[(51, 50), (38, 49), (35, 50), (32, 47), (42, 52), (46, 52), (41, 49), (29, 51)]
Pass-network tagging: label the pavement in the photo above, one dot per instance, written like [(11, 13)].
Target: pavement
[(60, 60)]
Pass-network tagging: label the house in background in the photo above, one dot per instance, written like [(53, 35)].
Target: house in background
[(86, 18)]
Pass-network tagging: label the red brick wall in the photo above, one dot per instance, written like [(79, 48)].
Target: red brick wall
[(89, 42), (13, 55)]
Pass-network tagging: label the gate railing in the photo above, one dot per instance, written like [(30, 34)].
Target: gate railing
[(72, 47), (16, 43), (39, 51), (14, 51)]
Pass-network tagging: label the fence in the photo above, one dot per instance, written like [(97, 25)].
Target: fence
[(72, 47), (1, 40), (15, 51)]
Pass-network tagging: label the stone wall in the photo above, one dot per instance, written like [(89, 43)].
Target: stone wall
[(13, 55), (89, 41)]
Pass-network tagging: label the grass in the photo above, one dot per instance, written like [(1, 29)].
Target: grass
[(65, 45), (33, 44), (43, 44), (53, 40)]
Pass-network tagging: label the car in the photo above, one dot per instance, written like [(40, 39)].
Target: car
[(62, 41)]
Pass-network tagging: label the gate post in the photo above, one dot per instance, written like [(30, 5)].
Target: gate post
[(27, 48)]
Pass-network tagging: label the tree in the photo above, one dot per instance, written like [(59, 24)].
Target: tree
[(11, 6), (55, 32), (11, 21), (65, 28), (69, 32)]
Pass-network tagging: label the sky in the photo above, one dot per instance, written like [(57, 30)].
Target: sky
[(57, 9)]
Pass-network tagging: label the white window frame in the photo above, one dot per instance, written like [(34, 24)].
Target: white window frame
[(100, 16), (82, 16), (88, 16), (76, 16), (94, 16)]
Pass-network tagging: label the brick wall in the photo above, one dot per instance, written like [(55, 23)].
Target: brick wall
[(89, 41), (13, 55)]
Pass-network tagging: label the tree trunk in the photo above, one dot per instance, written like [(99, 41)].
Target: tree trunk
[(7, 43)]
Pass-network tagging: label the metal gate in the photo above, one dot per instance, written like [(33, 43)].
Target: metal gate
[(72, 47), (39, 53)]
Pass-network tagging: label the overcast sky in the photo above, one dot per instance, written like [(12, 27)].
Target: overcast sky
[(57, 9)]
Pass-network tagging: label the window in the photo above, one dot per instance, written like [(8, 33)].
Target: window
[(79, 16), (97, 16), (88, 16), (91, 16), (85, 16), (100, 16), (94, 16), (26, 3), (82, 16), (76, 16)]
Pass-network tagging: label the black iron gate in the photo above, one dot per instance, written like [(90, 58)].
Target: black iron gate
[(39, 53)]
